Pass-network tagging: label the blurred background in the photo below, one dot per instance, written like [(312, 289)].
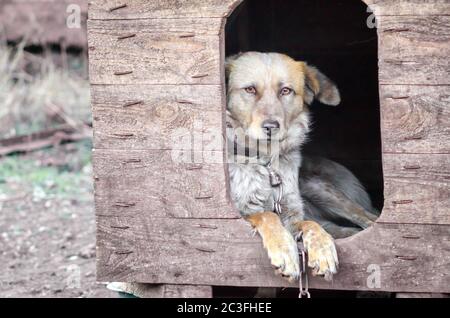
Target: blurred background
[(47, 225)]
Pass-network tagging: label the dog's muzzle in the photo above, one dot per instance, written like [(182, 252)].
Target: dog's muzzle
[(270, 127)]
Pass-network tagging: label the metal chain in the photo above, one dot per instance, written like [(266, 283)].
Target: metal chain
[(276, 182), (303, 273)]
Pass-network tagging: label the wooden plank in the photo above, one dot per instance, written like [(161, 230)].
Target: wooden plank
[(161, 117), (186, 291), (417, 188), (411, 258), (421, 295), (42, 141), (42, 21), (409, 7), (141, 9), (144, 9), (415, 119), (414, 50), (163, 291), (154, 183), (184, 28), (154, 56)]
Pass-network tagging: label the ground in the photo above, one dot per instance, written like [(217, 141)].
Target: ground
[(47, 224)]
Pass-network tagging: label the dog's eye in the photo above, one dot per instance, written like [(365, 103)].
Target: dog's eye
[(250, 90), (285, 91)]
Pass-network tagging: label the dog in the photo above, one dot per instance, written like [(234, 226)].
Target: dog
[(281, 193)]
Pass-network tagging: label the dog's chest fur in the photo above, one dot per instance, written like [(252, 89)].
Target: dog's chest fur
[(251, 189)]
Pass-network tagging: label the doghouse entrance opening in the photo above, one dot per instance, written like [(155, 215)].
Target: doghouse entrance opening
[(340, 39)]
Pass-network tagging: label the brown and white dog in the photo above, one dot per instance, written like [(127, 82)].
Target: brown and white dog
[(268, 95)]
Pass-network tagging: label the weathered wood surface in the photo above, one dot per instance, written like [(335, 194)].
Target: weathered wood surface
[(144, 9), (411, 258), (42, 21), (164, 117), (421, 295), (141, 9), (409, 7), (155, 56), (415, 119), (180, 291), (184, 28), (164, 290), (152, 183), (163, 222), (417, 188), (414, 50)]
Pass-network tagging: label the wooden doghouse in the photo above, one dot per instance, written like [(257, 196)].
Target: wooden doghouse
[(157, 66)]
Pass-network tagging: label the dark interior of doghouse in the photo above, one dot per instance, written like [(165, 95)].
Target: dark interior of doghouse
[(336, 37)]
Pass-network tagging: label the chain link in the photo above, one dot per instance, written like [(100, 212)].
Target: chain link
[(276, 183), (304, 290)]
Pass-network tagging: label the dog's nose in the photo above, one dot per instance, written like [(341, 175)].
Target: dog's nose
[(270, 126)]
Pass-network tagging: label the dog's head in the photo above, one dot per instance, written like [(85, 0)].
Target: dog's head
[(268, 95)]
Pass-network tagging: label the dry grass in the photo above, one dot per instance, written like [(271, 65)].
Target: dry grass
[(30, 88)]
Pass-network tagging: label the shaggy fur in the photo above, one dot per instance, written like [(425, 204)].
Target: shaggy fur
[(272, 87), (318, 193)]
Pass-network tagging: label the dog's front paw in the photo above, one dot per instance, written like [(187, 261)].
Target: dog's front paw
[(322, 255), (283, 254), (279, 243)]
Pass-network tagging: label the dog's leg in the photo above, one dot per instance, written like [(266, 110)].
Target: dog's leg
[(332, 201), (351, 211), (319, 245), (313, 213), (279, 242), (338, 231)]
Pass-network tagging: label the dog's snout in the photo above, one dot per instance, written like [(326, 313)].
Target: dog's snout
[(270, 126)]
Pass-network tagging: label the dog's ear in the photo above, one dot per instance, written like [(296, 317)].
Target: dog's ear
[(229, 64), (320, 87)]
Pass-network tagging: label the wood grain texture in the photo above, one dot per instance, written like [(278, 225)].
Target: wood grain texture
[(224, 252), (186, 27), (417, 188), (141, 9), (165, 290), (158, 117), (42, 21), (421, 295), (178, 51), (153, 183), (409, 7), (415, 119), (164, 222), (414, 50)]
